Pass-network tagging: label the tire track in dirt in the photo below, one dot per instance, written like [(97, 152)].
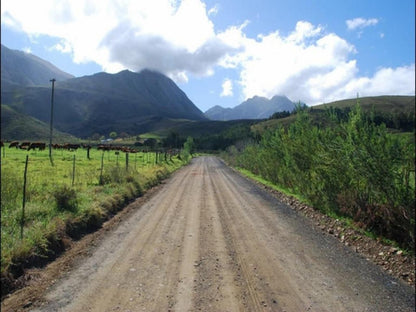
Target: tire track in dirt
[(190, 243), (215, 288), (242, 243)]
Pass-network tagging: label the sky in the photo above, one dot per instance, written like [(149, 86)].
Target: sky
[(222, 52)]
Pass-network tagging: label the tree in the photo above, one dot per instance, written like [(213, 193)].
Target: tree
[(113, 135), (151, 142), (188, 146), (173, 140)]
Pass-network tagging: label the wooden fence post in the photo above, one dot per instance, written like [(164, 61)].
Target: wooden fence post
[(127, 161), (101, 170), (22, 221), (73, 171)]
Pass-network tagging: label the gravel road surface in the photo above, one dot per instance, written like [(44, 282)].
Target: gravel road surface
[(210, 240)]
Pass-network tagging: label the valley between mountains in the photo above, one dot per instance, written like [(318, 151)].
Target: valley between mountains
[(210, 240)]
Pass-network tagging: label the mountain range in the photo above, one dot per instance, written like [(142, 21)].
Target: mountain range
[(100, 103), (254, 108)]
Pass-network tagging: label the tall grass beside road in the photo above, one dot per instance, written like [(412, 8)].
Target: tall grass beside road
[(56, 209)]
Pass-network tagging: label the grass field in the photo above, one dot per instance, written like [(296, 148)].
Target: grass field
[(61, 202)]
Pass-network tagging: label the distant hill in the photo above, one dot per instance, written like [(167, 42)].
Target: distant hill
[(385, 103), (387, 106), (25, 69), (254, 108), (18, 126)]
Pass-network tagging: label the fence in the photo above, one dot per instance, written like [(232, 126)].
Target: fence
[(79, 168)]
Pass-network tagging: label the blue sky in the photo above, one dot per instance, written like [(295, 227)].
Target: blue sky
[(223, 52)]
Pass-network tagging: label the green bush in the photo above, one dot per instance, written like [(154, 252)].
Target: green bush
[(66, 198)]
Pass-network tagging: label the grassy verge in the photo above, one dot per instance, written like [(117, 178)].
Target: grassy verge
[(347, 222), (283, 190), (64, 204)]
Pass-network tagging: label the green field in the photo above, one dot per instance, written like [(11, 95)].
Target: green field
[(62, 202)]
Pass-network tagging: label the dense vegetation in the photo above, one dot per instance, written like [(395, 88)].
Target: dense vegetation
[(62, 203), (353, 166)]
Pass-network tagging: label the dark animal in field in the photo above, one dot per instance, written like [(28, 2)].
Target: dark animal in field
[(71, 147), (104, 147), (39, 145), (24, 145), (14, 144), (116, 148)]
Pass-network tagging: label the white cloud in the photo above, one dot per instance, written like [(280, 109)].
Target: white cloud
[(400, 80), (63, 46), (213, 10), (310, 65), (174, 37), (27, 50), (275, 64), (360, 22), (227, 88)]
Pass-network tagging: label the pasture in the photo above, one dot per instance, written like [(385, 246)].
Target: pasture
[(71, 197)]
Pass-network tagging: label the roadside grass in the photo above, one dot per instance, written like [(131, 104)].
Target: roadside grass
[(56, 209), (283, 190)]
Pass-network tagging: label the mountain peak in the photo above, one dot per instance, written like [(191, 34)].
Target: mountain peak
[(257, 107), (19, 68)]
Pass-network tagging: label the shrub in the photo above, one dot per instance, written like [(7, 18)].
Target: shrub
[(66, 198)]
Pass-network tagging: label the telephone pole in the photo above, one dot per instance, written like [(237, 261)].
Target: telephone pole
[(51, 123)]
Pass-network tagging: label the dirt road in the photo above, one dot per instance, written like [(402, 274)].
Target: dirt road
[(210, 240)]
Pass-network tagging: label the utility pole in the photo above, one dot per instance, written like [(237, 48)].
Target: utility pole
[(51, 122)]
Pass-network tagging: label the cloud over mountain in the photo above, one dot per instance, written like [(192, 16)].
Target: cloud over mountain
[(179, 39)]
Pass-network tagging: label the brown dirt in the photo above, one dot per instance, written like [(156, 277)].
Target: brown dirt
[(210, 240)]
